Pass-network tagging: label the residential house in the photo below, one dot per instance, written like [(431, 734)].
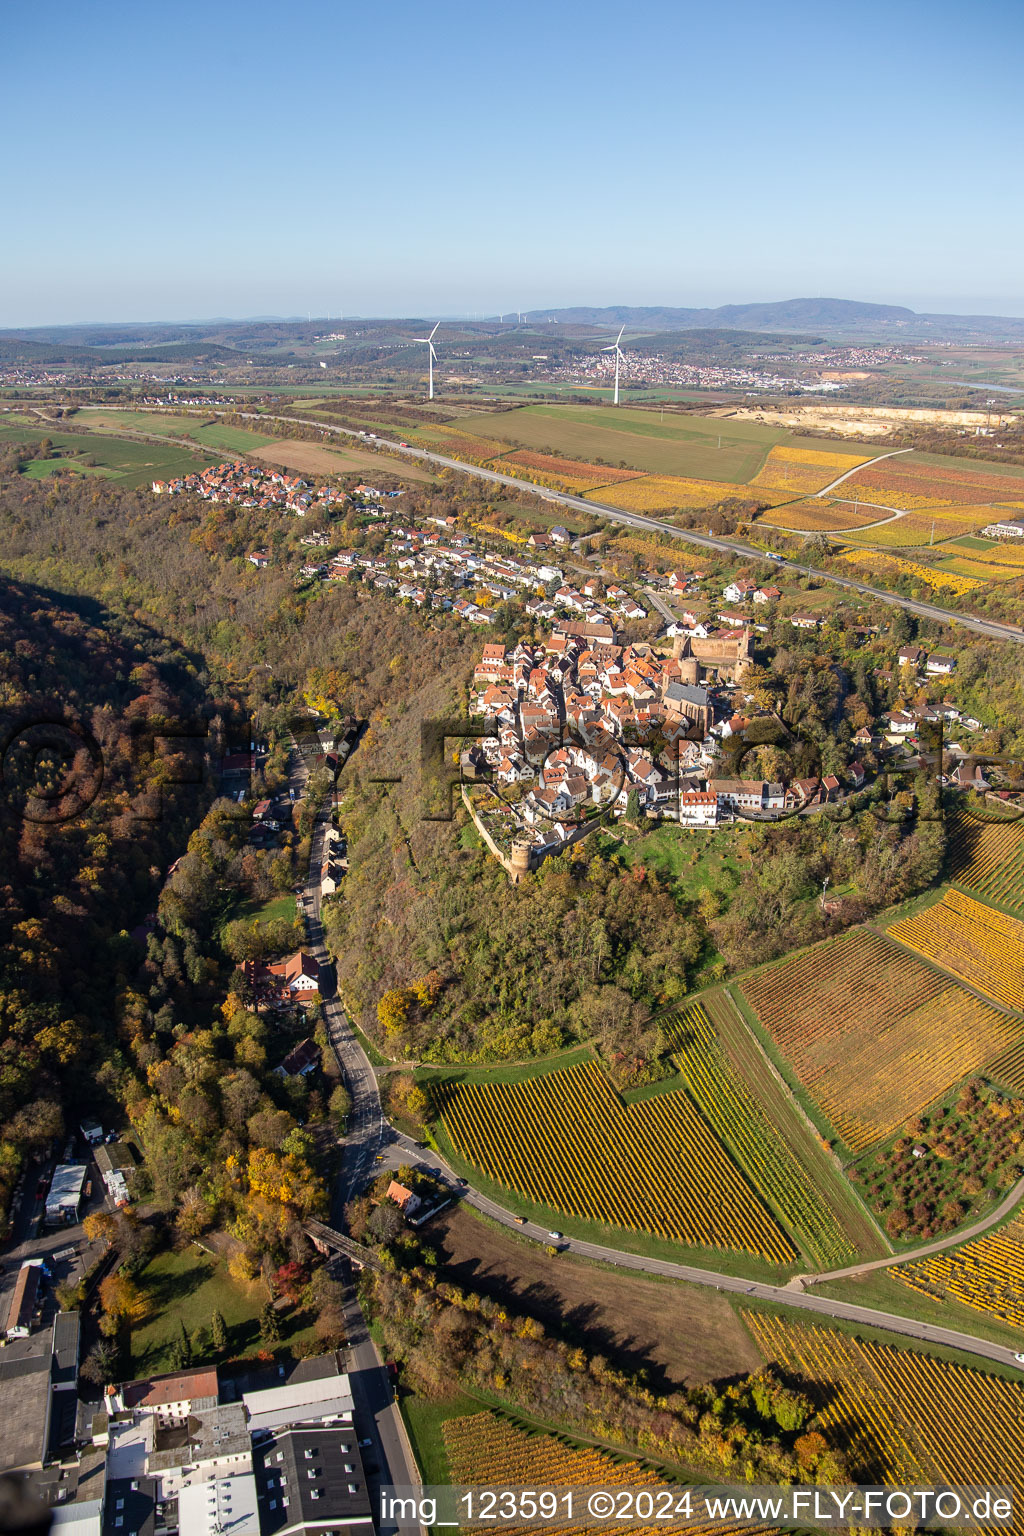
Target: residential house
[(805, 620), (303, 1061)]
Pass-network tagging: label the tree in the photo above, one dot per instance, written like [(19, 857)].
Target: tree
[(219, 1332), (340, 1105), (101, 1363), (181, 1349), (270, 1324)]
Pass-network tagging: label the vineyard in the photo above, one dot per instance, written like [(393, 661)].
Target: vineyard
[(567, 1141), (655, 493), (987, 1274), (818, 514), (980, 945), (872, 1034), (735, 1114), (803, 470), (988, 857), (902, 1416), (929, 527), (589, 475), (486, 1451), (900, 482), (931, 575)]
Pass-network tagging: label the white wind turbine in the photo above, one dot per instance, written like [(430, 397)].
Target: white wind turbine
[(431, 357), (618, 355)]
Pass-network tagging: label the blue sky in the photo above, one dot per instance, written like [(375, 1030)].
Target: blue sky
[(191, 160)]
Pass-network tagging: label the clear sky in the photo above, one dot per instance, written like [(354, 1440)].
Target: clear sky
[(239, 157)]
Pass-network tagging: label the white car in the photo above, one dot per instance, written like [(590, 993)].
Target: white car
[(556, 1236), (1019, 1358)]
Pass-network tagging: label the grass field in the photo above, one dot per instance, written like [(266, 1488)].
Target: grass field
[(211, 434), (658, 443), (118, 458), (40, 469), (872, 1033), (189, 1287)]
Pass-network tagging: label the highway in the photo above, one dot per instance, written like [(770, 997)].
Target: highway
[(989, 627)]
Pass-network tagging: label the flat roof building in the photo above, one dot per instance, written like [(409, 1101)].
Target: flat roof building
[(65, 1194)]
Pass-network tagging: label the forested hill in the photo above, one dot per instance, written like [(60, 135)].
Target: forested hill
[(85, 835)]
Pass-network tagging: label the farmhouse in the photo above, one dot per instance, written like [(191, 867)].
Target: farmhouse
[(294, 979), (408, 1202), (303, 1061), (1005, 528)]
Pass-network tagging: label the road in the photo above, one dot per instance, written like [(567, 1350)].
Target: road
[(371, 1387), (866, 465), (987, 627)]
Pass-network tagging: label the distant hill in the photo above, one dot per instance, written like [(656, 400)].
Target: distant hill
[(831, 316)]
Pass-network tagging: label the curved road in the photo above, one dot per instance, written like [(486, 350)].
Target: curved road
[(373, 1142), (988, 627)]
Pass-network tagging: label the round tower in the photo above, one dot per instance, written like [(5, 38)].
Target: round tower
[(520, 861), (689, 669)]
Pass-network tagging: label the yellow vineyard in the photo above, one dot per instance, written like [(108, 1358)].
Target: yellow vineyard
[(903, 1416), (656, 493), (817, 515), (485, 1451), (567, 1141), (975, 942), (988, 856), (987, 1275), (800, 470), (930, 575)]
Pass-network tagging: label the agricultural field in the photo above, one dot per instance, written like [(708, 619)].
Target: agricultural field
[(318, 459), (116, 458), (567, 1141), (212, 434), (913, 482), (655, 442), (933, 576), (802, 471), (987, 1274), (872, 1034), (819, 515), (933, 526), (732, 1110), (983, 947), (487, 1450), (573, 475), (656, 493), (979, 570), (904, 1417), (987, 857)]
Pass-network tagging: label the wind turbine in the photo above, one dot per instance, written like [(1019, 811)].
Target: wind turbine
[(618, 354), (431, 357)]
